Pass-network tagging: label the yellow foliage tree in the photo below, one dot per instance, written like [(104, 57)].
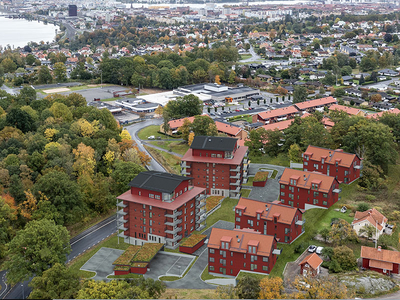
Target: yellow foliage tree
[(217, 79), (321, 288), (271, 288), (28, 206), (125, 135), (84, 128), (159, 110), (109, 158), (191, 138), (49, 133), (84, 160)]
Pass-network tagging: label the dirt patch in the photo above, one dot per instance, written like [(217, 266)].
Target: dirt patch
[(152, 91), (57, 90), (188, 294)]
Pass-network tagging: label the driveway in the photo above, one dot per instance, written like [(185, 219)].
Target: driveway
[(169, 264)]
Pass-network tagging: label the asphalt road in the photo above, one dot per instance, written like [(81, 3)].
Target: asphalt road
[(14, 91), (254, 55), (79, 244), (134, 129)]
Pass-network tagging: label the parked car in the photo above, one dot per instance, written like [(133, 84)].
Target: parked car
[(319, 250), (343, 209), (312, 248), (152, 137), (158, 138)]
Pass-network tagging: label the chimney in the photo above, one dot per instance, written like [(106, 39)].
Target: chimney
[(379, 248)]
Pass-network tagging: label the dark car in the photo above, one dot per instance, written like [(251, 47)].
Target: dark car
[(312, 248)]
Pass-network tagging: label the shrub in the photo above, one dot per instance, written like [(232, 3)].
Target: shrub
[(327, 252), (363, 206), (260, 176), (300, 247), (335, 267), (370, 197), (345, 257)]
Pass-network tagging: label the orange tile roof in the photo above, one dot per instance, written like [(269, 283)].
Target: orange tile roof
[(328, 122), (370, 220), (380, 255), (228, 129), (287, 213), (278, 125), (240, 240), (317, 102), (380, 114), (278, 112), (374, 217), (349, 110), (313, 260), (381, 264), (179, 122), (305, 179), (346, 159)]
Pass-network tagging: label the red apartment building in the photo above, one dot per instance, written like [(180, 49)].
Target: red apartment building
[(283, 222), (160, 208), (276, 115), (307, 190), (230, 251), (316, 104), (218, 164), (345, 167)]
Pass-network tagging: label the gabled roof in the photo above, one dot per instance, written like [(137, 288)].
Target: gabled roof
[(349, 110), (305, 179), (179, 122), (251, 207), (315, 103), (158, 181), (227, 128), (331, 156), (374, 217), (213, 143), (313, 260), (240, 240), (278, 112), (380, 114), (279, 125), (380, 254)]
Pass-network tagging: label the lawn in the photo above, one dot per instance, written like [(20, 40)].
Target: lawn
[(249, 181), (206, 276), (131, 275), (149, 131), (245, 56), (180, 147), (88, 222), (110, 242), (169, 278), (225, 212), (169, 161), (247, 118), (248, 274), (280, 160), (245, 193), (189, 294)]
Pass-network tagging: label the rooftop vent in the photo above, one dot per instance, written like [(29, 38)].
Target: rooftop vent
[(238, 240)]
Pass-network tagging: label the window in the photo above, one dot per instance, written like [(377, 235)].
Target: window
[(282, 186), (157, 197), (150, 196), (315, 201), (222, 262), (212, 251), (325, 203), (150, 222), (283, 194), (282, 201), (213, 155), (144, 228), (305, 163), (346, 173), (287, 238), (253, 267), (244, 265), (223, 253), (336, 164), (265, 268), (253, 258), (211, 268), (265, 259), (322, 160), (290, 203), (291, 188), (192, 213), (185, 189), (211, 259), (239, 212), (237, 219), (258, 216), (316, 194), (287, 230), (140, 193), (325, 195), (291, 196)]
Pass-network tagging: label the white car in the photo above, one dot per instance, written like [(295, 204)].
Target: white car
[(152, 137), (319, 250)]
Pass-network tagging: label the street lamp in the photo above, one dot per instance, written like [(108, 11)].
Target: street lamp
[(23, 294)]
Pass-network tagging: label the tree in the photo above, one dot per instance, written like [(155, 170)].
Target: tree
[(256, 141), (186, 106), (185, 129), (361, 80), (367, 231), (201, 125), (159, 110), (325, 233), (20, 119), (342, 232), (345, 257), (295, 153), (232, 76), (60, 71), (217, 79), (58, 282), (300, 94), (368, 64), (248, 287), (321, 288), (212, 130), (273, 142), (44, 75), (6, 229), (115, 289), (271, 288), (84, 160), (191, 138), (124, 172), (8, 65), (34, 249), (60, 110), (376, 98)]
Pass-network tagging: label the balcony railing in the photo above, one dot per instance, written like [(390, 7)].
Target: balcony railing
[(245, 167), (245, 174), (200, 197), (201, 204), (358, 167), (237, 182), (121, 212), (277, 251), (200, 227), (245, 160), (121, 204), (122, 235), (185, 172), (237, 176), (337, 191), (174, 222), (201, 219), (237, 190), (173, 231), (201, 211), (174, 239), (121, 227), (185, 165), (237, 169), (122, 220), (174, 214), (300, 222)]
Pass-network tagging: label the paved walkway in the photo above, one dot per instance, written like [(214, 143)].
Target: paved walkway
[(222, 281), (161, 149)]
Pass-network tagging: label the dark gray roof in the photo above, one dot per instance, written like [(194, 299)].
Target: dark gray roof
[(158, 181), (213, 143)]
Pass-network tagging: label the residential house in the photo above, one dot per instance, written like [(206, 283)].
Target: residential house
[(380, 260), (317, 104), (218, 164), (351, 111), (311, 265), (388, 72), (306, 190), (232, 251), (380, 114), (276, 115), (353, 92), (273, 218), (345, 167), (371, 217), (160, 208), (347, 80)]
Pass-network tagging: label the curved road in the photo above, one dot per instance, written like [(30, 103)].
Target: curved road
[(254, 55)]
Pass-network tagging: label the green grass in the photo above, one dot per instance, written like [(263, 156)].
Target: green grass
[(131, 275), (149, 131), (245, 56), (280, 160), (247, 118), (249, 181), (110, 242), (225, 212), (274, 173), (245, 193), (180, 147), (169, 161), (206, 276), (252, 275), (110, 99), (169, 278)]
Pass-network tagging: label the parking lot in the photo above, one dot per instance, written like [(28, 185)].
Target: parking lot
[(169, 264), (97, 93)]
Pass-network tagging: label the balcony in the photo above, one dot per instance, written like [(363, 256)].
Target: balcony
[(237, 182), (237, 190), (201, 211), (201, 219), (237, 169), (184, 165), (245, 174), (277, 251), (245, 160), (184, 172), (237, 176), (300, 222), (121, 204), (174, 239), (122, 220), (174, 222), (358, 167), (201, 204), (245, 167), (173, 231), (122, 235), (201, 197), (121, 227), (337, 191), (121, 212), (201, 227), (246, 154), (174, 215)]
